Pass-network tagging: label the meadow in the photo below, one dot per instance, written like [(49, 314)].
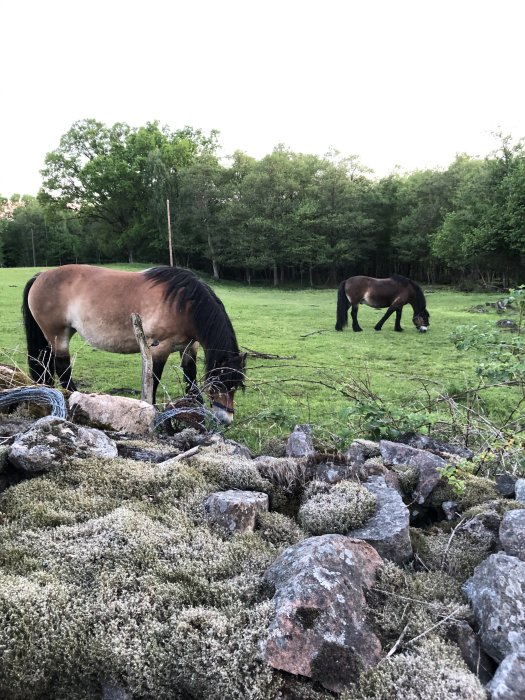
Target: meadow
[(342, 383)]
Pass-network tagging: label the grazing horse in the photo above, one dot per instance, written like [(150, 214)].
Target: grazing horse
[(178, 312), (393, 292)]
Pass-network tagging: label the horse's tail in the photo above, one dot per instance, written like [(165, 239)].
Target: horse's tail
[(342, 307), (40, 357)]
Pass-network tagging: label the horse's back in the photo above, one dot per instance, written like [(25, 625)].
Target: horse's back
[(94, 301), (377, 292)]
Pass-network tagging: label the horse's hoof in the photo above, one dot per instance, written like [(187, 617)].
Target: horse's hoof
[(399, 330), (376, 328), (357, 330)]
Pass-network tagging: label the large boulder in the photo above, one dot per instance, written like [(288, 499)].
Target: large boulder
[(319, 627), (496, 592), (51, 440), (509, 680), (117, 413), (388, 529), (427, 464)]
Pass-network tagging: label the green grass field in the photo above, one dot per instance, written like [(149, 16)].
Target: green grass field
[(405, 369)]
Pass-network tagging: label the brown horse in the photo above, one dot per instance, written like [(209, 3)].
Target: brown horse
[(393, 292), (178, 312)]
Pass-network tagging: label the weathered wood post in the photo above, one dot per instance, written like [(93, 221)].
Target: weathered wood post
[(147, 362)]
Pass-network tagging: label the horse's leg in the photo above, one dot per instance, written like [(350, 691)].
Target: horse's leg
[(63, 370), (389, 313), (159, 362), (355, 324), (188, 362), (397, 325), (63, 358)]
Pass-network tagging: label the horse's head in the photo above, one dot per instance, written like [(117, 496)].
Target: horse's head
[(421, 320), (222, 382)]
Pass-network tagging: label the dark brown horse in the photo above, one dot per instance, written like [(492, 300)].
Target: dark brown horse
[(178, 312), (391, 293)]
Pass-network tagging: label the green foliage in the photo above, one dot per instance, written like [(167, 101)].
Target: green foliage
[(379, 420)]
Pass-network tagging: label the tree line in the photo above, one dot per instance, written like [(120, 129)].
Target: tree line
[(288, 217)]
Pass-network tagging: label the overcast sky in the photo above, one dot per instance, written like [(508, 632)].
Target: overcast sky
[(406, 83)]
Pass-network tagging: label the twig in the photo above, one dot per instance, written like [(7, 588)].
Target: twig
[(321, 330), (267, 355), (398, 642), (438, 624), (183, 455), (444, 557)]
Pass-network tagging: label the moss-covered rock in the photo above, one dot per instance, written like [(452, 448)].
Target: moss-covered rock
[(336, 509), (474, 490)]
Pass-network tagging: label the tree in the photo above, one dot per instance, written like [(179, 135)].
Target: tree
[(117, 176)]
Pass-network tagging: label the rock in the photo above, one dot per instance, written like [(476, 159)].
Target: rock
[(496, 592), (512, 533), (509, 680), (236, 511), (462, 634), (426, 463), (12, 377), (388, 529), (300, 443), (520, 490), (117, 413), (331, 472), (110, 691), (319, 628), (450, 508), (507, 323), (50, 441), (506, 484), (361, 450), (443, 449)]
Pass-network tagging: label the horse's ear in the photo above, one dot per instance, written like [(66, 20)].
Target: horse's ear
[(244, 355)]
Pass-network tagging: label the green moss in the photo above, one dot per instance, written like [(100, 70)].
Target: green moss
[(413, 602), (341, 508), (278, 529), (475, 490), (432, 670), (500, 506), (456, 554), (408, 478)]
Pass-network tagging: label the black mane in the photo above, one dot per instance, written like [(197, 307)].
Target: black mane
[(214, 329), (420, 302)]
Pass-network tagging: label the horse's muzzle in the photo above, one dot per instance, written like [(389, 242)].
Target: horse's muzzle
[(422, 329), (222, 412)]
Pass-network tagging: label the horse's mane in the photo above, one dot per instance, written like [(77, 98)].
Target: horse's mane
[(212, 323), (421, 302)]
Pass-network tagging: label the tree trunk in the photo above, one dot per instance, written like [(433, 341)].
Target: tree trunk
[(212, 255), (275, 275)]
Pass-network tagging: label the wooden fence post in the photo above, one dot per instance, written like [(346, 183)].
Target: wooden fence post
[(147, 362)]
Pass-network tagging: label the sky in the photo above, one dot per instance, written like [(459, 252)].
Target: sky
[(402, 84)]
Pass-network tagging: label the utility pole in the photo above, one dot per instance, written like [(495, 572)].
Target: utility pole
[(169, 232)]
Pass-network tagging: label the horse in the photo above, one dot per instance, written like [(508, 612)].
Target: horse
[(392, 292), (178, 313)]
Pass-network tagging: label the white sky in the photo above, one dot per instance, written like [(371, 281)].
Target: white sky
[(395, 82)]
